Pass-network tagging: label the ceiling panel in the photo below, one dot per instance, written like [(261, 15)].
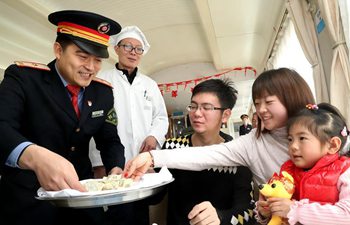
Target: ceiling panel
[(224, 33)]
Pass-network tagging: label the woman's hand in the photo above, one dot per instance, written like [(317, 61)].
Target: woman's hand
[(138, 166), (204, 214), (263, 207)]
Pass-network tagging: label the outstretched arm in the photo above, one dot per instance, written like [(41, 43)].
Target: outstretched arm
[(136, 167), (233, 153)]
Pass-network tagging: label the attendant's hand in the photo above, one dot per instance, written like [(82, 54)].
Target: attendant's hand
[(100, 171), (116, 170), (203, 214), (150, 143), (54, 172), (138, 166), (280, 206)]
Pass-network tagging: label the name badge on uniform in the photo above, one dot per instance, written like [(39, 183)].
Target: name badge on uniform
[(98, 113)]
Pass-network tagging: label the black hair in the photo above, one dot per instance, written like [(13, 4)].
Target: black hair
[(324, 121), (64, 41), (222, 88)]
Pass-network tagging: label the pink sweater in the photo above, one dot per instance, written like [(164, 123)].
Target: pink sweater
[(263, 156)]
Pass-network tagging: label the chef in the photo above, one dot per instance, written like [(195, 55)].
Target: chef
[(141, 112)]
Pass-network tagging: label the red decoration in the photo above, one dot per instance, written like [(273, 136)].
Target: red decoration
[(178, 84), (187, 83), (167, 87), (174, 93), (196, 81)]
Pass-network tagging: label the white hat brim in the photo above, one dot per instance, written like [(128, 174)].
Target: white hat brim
[(131, 32)]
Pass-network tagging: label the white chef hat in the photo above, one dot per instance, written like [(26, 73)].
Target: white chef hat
[(131, 32)]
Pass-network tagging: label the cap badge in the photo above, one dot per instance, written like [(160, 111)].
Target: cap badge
[(103, 28)]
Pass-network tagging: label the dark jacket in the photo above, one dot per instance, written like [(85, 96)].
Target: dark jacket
[(245, 129), (35, 106)]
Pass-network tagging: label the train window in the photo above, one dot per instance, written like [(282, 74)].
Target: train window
[(344, 7), (288, 53)]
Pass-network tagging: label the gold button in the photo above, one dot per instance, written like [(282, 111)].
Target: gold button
[(77, 130), (72, 148)]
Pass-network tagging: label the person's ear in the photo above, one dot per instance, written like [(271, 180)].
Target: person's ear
[(226, 115), (57, 49), (334, 145), (116, 47)]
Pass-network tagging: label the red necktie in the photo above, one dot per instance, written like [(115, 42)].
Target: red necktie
[(74, 91)]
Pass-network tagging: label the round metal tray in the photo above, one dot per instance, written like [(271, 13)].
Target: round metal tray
[(106, 199)]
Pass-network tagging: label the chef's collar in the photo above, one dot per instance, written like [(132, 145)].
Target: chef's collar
[(131, 76)]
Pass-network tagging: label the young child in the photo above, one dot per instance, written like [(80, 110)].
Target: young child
[(277, 95), (317, 136)]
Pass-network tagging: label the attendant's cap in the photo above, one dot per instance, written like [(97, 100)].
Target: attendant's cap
[(244, 116), (131, 32), (89, 31)]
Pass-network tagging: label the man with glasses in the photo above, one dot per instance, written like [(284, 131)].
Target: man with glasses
[(142, 116), (218, 195)]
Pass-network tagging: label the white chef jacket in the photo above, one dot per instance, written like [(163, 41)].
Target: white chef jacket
[(141, 112)]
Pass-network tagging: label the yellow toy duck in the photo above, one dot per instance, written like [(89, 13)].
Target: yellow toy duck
[(279, 186)]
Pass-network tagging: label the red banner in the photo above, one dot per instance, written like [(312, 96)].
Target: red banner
[(167, 87)]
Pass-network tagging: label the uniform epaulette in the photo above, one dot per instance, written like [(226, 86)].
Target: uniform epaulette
[(33, 65), (102, 81)]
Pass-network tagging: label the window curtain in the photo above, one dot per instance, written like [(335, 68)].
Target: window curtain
[(288, 53), (306, 33), (344, 6), (340, 69)]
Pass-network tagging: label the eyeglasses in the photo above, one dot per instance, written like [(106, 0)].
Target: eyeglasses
[(206, 107), (129, 48)]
